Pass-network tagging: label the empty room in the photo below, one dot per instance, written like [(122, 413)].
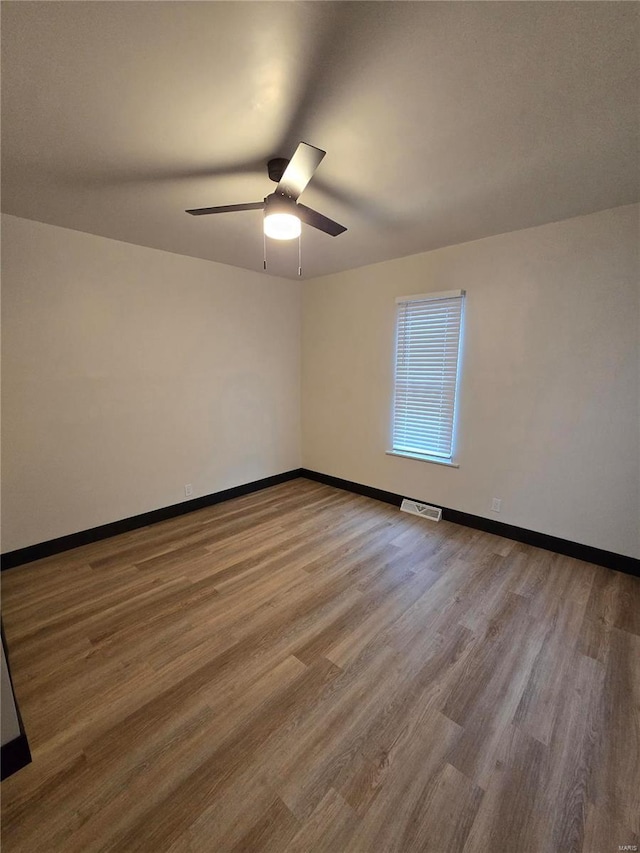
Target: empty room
[(320, 427)]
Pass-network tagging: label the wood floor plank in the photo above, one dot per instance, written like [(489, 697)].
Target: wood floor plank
[(270, 834), (494, 707), (508, 816), (302, 669), (540, 702), (615, 765), (442, 818), (328, 829), (412, 773), (569, 763)]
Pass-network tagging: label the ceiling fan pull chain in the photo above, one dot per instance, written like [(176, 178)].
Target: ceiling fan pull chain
[(264, 251), (299, 255)]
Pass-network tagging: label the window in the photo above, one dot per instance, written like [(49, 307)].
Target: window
[(428, 332)]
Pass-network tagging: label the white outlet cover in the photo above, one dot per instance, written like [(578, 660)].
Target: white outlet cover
[(495, 504), (188, 489)]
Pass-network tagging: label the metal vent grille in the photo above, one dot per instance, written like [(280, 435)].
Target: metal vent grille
[(433, 513)]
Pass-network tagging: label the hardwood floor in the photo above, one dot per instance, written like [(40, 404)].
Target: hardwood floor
[(303, 669)]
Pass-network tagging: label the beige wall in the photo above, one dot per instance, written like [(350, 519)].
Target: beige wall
[(129, 372), (549, 416)]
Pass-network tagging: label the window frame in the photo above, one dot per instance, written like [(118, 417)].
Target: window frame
[(439, 459)]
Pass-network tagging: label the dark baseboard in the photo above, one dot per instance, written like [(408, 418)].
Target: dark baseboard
[(610, 560), (14, 756), (619, 562), (349, 486), (124, 525)]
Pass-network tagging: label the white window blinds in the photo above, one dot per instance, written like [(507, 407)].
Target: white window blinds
[(427, 351)]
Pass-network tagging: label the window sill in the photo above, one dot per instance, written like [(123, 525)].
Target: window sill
[(434, 459)]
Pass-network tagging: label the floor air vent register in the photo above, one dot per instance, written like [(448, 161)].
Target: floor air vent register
[(433, 513)]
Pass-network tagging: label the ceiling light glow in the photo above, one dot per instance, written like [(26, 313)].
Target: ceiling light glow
[(282, 226)]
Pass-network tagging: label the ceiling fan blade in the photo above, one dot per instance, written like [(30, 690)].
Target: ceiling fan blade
[(226, 208), (300, 170), (317, 220)]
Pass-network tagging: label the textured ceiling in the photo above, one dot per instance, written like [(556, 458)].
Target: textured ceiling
[(442, 122)]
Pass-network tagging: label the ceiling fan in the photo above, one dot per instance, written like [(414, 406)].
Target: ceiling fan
[(283, 213)]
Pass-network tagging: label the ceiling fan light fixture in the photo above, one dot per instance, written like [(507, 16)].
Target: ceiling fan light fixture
[(283, 214), (282, 226)]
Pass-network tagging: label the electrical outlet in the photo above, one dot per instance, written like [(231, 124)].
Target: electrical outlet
[(495, 504), (188, 490)]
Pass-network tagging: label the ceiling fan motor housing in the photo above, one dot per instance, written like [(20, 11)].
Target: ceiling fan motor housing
[(276, 168)]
